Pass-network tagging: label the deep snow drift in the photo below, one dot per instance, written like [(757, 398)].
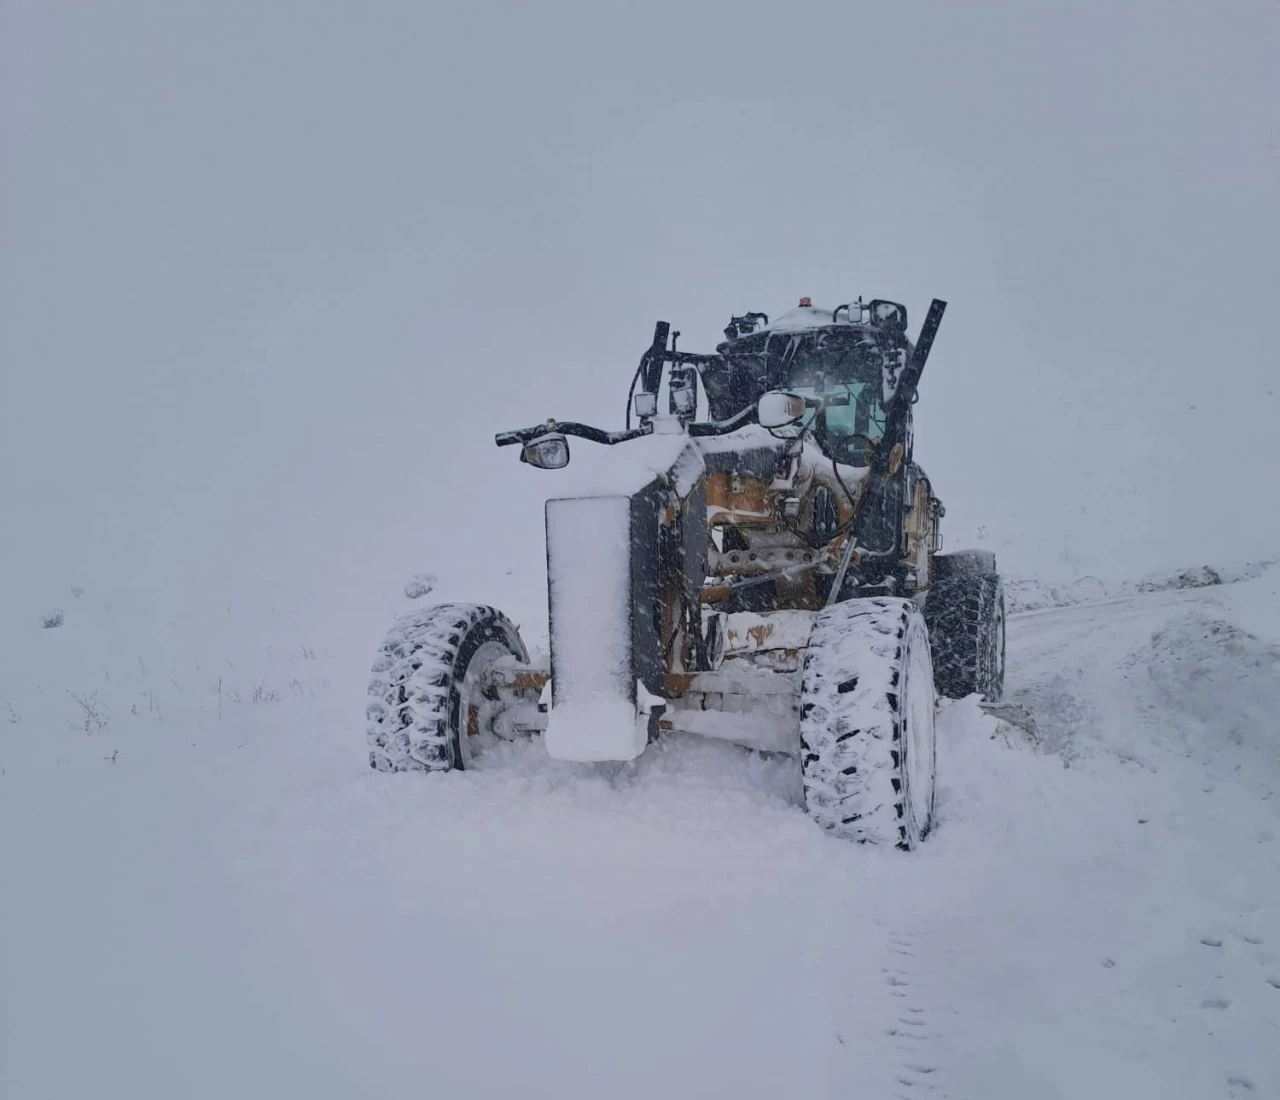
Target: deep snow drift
[(208, 894)]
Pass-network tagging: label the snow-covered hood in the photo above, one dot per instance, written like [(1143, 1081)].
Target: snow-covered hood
[(753, 450), (625, 468), (757, 452)]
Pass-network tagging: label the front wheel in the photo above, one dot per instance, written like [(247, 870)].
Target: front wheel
[(868, 753), (427, 690)]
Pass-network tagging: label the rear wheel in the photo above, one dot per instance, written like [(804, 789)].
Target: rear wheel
[(963, 563), (868, 754), (965, 614), (427, 694)]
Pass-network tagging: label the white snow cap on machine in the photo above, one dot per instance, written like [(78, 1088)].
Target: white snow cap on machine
[(805, 316), (607, 471)]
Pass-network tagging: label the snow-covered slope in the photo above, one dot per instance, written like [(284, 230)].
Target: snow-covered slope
[(209, 903)]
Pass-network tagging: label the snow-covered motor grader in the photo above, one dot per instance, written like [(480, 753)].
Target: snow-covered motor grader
[(768, 573)]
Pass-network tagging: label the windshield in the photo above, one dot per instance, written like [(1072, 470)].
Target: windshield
[(845, 432), (847, 357)]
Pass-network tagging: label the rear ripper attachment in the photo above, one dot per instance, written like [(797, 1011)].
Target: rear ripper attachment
[(753, 557)]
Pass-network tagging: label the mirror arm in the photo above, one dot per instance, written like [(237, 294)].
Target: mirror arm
[(723, 427), (599, 435), (518, 435), (582, 431)]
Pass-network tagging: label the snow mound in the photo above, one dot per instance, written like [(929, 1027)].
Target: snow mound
[(1024, 594), (1218, 690), (217, 869)]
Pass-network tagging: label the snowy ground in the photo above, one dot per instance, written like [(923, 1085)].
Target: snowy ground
[(208, 895)]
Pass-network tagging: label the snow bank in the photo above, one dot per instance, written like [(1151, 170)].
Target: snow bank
[(1219, 683), (1223, 685), (1033, 594)]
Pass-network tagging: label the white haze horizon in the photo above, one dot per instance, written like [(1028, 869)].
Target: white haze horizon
[(273, 275)]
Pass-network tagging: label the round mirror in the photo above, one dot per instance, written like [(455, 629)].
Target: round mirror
[(547, 452)]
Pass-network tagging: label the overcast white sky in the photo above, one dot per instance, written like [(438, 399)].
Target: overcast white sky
[(273, 271)]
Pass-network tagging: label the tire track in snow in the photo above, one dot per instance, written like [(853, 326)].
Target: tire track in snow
[(915, 1034)]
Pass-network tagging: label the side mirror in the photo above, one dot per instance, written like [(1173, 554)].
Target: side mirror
[(779, 409), (889, 313), (683, 393), (547, 452), (646, 405)]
